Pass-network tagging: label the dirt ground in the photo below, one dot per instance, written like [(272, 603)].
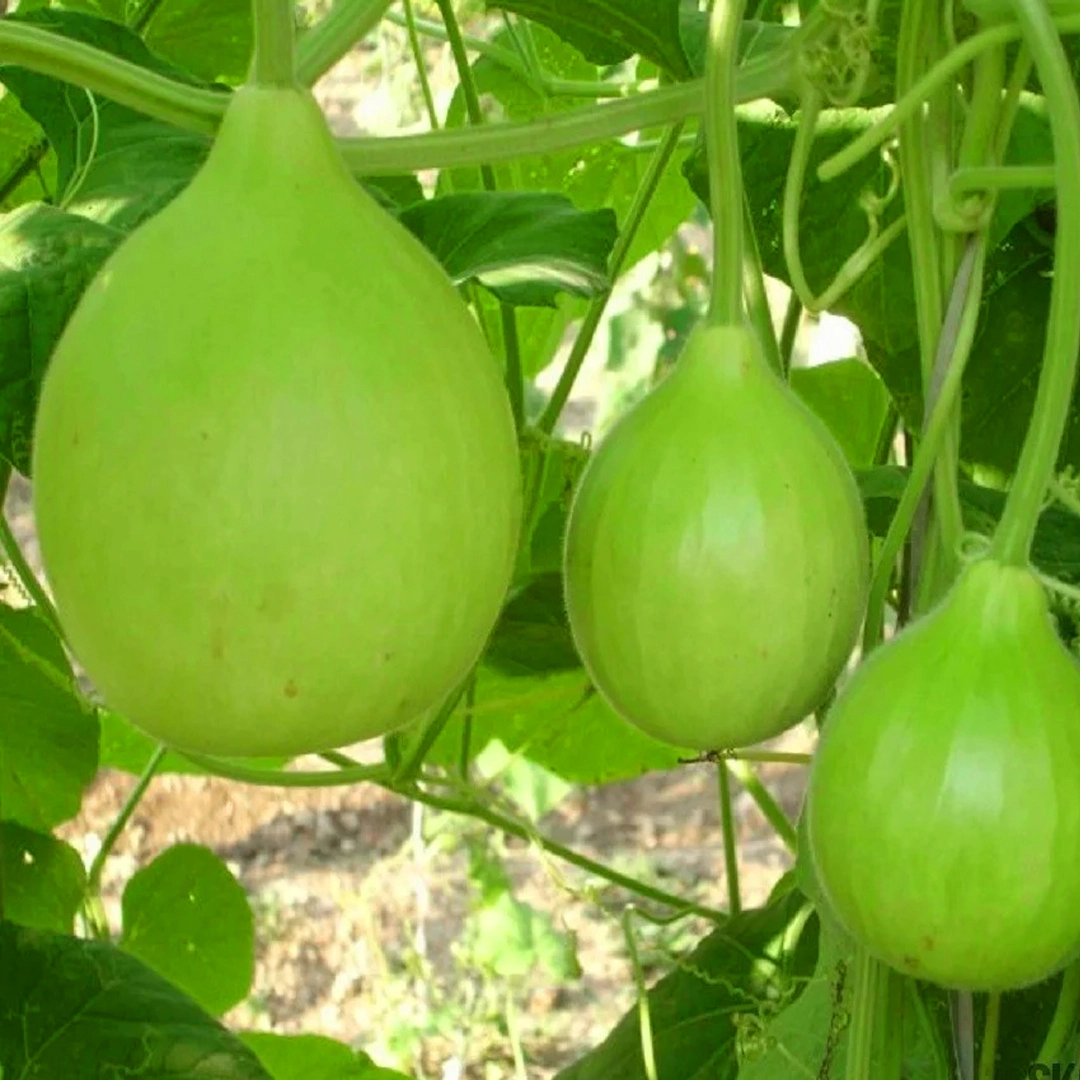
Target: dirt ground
[(357, 921)]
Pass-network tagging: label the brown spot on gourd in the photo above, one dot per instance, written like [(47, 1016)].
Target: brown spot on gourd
[(291, 689), (928, 943)]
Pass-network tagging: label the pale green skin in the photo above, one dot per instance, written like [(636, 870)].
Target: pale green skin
[(944, 801), (276, 473), (716, 556)]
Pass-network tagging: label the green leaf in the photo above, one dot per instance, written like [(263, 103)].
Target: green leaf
[(698, 1012), (188, 918), (811, 1032), (852, 401), (43, 879), (509, 939), (606, 175), (609, 31), (313, 1057), (78, 127), (210, 38), (85, 1010), (123, 746), (48, 736), (525, 247), (558, 722), (1056, 550), (535, 790), (47, 258), (532, 636), (27, 164)]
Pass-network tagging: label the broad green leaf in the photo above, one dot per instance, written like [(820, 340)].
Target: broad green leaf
[(27, 164), (533, 634), (533, 788), (525, 247), (43, 879), (212, 39), (509, 939), (188, 918), (852, 401), (92, 139), (603, 175), (699, 1012), (1056, 550), (313, 1057), (86, 1010), (125, 747), (810, 1034), (47, 258), (48, 735), (608, 31), (559, 722)]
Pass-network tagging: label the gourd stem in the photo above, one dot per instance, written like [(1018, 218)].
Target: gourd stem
[(274, 60), (988, 1051), (329, 40), (769, 807), (957, 336), (421, 66), (727, 822), (913, 99), (757, 299), (863, 1012), (1016, 530), (514, 377), (648, 1050), (93, 876), (71, 61), (194, 109), (725, 168), (27, 580), (1063, 1022), (469, 807), (627, 234)]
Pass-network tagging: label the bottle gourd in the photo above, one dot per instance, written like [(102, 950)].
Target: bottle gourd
[(944, 803), (276, 473), (716, 556)]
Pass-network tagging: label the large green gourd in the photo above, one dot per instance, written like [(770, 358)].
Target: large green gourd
[(944, 801), (716, 556), (275, 471)]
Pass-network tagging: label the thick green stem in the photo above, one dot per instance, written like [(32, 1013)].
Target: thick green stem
[(912, 99), (863, 1013), (274, 62), (71, 61), (790, 330), (1012, 541), (421, 65), (725, 167), (956, 338), (331, 38), (472, 808), (27, 579), (988, 1051), (769, 807), (515, 380), (93, 876), (648, 1053), (351, 773), (983, 178), (1063, 1023), (627, 234), (757, 299), (727, 826)]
